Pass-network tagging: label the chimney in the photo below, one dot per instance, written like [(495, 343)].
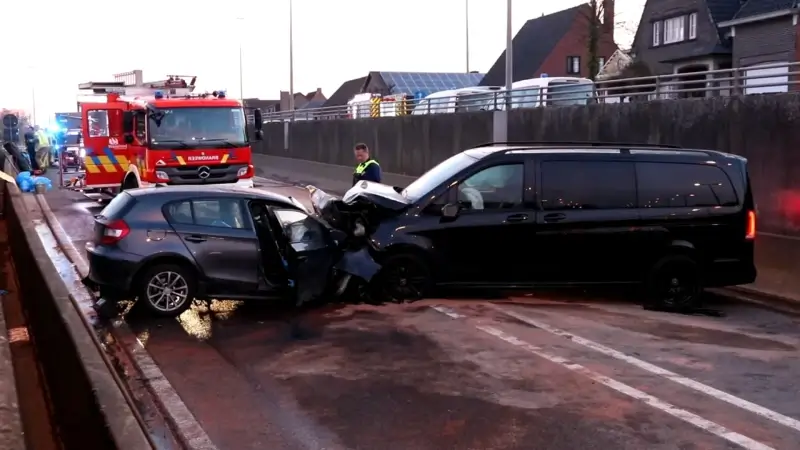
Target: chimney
[(608, 18)]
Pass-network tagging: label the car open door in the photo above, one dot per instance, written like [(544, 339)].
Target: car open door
[(106, 159), (309, 251)]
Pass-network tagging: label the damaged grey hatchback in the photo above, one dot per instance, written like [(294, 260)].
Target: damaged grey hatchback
[(166, 247)]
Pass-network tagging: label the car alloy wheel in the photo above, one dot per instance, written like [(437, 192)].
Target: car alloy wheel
[(167, 291)]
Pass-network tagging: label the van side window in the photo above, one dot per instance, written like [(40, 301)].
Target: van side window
[(587, 185), (673, 185), (496, 187)]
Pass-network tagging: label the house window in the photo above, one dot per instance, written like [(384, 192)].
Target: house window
[(693, 26), (656, 34), (573, 65), (674, 30)]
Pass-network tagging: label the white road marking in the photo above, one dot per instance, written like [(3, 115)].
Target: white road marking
[(682, 414), (656, 370), (448, 312)]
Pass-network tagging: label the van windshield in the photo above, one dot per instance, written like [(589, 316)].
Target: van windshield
[(433, 178), (565, 94)]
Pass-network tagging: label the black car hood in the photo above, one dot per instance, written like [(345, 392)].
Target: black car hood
[(379, 194)]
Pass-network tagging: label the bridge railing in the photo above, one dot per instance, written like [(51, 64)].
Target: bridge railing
[(761, 79)]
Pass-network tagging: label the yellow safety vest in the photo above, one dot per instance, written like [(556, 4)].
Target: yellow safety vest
[(42, 140), (363, 166)]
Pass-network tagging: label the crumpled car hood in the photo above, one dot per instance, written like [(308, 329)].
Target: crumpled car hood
[(379, 194)]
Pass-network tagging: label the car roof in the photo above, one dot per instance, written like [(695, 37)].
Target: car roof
[(591, 148), (216, 190)]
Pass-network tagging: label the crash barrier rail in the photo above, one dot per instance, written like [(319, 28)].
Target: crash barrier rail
[(90, 405), (767, 78)]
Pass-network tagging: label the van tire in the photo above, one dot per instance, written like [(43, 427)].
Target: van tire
[(403, 277), (674, 283)]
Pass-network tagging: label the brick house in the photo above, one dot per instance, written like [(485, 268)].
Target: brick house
[(765, 36), (556, 45), (682, 36)]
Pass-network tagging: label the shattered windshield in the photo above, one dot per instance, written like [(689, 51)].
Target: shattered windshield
[(187, 128)]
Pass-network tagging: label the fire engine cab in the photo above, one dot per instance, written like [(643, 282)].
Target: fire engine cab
[(162, 136)]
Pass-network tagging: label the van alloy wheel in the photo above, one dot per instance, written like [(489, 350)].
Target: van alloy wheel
[(167, 291), (678, 286), (405, 281)]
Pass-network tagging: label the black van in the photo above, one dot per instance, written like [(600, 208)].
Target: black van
[(517, 215)]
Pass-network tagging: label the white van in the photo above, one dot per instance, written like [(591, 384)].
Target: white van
[(455, 100), (535, 92), (555, 91)]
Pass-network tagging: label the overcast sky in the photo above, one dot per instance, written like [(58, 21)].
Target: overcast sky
[(89, 40)]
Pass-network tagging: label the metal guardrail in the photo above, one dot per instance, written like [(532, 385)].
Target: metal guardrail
[(712, 83)]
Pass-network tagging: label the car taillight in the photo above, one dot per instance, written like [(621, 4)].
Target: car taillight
[(114, 232), (750, 231)]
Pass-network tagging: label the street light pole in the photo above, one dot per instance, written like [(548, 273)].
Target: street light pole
[(241, 66), (509, 55), (291, 60), (466, 27)]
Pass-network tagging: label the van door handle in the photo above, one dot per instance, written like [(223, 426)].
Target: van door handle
[(517, 218), (195, 238), (554, 217)]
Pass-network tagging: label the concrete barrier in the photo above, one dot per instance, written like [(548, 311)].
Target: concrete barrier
[(89, 406)]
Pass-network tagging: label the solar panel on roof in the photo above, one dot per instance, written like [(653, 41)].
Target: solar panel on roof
[(411, 82)]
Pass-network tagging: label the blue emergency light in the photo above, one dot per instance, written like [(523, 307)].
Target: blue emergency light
[(220, 94), (159, 95)]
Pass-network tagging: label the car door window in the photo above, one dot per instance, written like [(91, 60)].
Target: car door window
[(218, 212), (671, 185), (496, 187), (587, 185), (303, 231)]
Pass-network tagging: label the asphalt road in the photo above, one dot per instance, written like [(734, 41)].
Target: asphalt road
[(548, 371)]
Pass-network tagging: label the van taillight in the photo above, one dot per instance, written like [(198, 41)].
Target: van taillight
[(114, 232), (750, 231)]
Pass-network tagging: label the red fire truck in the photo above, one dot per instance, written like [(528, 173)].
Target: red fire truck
[(161, 135)]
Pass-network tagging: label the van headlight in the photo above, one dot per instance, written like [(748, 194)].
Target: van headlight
[(82, 152)]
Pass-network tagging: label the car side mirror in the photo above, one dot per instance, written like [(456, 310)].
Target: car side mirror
[(450, 211), (258, 120)]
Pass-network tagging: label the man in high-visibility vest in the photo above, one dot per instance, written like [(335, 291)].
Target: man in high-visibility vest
[(367, 169)]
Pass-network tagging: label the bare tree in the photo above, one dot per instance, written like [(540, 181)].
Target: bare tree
[(595, 21)]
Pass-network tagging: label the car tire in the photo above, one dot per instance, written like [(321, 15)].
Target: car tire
[(674, 283), (403, 277), (182, 291)]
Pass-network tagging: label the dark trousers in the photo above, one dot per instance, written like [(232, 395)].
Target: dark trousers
[(32, 154)]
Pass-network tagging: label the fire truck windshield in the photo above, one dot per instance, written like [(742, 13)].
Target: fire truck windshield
[(192, 128)]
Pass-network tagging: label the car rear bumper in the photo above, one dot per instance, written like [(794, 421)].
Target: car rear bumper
[(111, 269), (731, 273)]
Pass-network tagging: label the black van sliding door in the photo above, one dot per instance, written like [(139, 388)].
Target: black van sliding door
[(587, 226)]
